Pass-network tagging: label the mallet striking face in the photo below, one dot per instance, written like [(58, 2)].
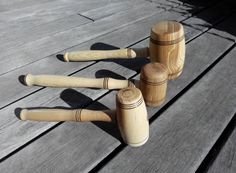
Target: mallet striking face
[(166, 45), (130, 116), (153, 82)]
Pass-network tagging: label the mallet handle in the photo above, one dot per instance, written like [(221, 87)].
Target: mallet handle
[(74, 82), (67, 115), (99, 54)]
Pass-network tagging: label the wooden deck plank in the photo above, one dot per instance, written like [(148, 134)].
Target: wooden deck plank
[(141, 28), (52, 23), (20, 19), (6, 5), (193, 68), (33, 51), (8, 110), (111, 8), (183, 135), (137, 31), (226, 160)]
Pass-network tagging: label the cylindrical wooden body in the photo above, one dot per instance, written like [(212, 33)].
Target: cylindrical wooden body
[(132, 116), (167, 46), (153, 83)]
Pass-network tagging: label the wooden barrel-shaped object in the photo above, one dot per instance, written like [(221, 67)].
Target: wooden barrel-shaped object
[(153, 83), (132, 116), (167, 46)]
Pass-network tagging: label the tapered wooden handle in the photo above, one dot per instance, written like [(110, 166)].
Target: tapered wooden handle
[(74, 82), (98, 55), (67, 115)]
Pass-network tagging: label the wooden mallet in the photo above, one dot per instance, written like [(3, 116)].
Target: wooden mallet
[(166, 45), (130, 116), (153, 82)]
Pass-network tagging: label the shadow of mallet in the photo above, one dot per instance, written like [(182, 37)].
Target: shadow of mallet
[(130, 116), (166, 45)]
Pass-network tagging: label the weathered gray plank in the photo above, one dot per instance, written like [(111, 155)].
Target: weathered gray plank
[(194, 66), (51, 93), (53, 23), (226, 160), (137, 31), (46, 46), (111, 8), (17, 4), (166, 4), (183, 135)]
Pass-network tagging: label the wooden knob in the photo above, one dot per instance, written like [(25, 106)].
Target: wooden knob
[(153, 83), (132, 116), (167, 46)]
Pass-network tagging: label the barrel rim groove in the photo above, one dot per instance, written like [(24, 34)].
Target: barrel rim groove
[(130, 106), (167, 43)]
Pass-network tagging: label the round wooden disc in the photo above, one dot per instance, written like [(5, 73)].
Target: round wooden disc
[(167, 31), (154, 73), (129, 97)]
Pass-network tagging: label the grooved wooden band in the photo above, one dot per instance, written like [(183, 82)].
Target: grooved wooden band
[(130, 106), (105, 83), (129, 53), (153, 83), (78, 115), (166, 43)]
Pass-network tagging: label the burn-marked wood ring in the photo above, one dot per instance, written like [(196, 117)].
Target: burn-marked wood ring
[(153, 83), (105, 82), (130, 106), (166, 43), (78, 115)]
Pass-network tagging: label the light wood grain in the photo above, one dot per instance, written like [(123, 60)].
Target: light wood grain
[(183, 135), (153, 83), (75, 82), (57, 115), (167, 46), (98, 55)]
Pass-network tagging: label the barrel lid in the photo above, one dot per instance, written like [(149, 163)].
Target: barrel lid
[(167, 31), (129, 98), (155, 73)]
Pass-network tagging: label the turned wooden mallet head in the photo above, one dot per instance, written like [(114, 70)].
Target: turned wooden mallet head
[(130, 116), (166, 46), (153, 82)]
